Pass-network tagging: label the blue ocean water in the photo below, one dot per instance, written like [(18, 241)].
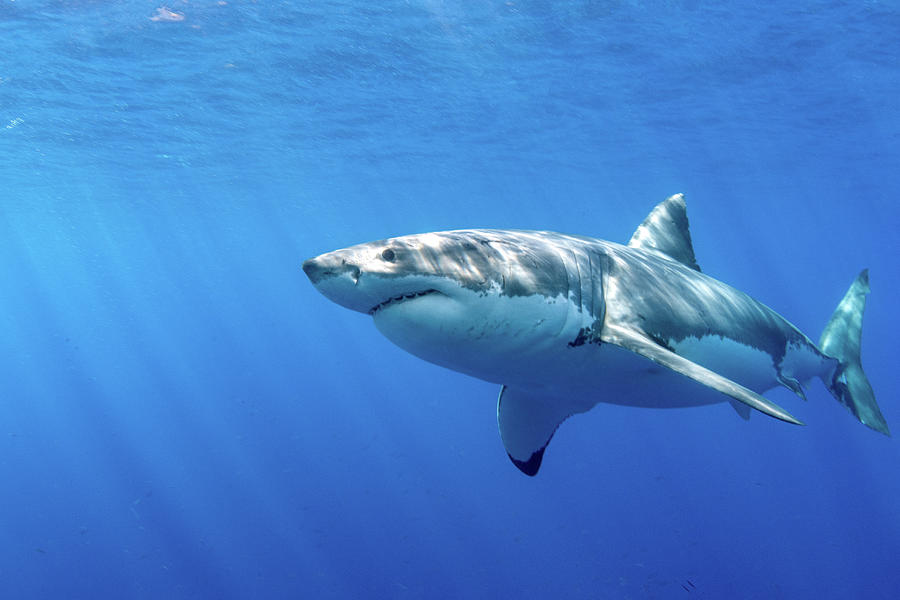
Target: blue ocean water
[(184, 416)]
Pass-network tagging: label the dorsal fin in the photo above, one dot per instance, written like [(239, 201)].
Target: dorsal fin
[(665, 230)]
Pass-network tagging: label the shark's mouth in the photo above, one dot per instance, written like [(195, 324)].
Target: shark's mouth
[(399, 299)]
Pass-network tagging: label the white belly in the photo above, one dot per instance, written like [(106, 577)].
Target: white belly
[(607, 373), (524, 342)]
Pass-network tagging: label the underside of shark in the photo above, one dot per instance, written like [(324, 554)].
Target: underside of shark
[(564, 322)]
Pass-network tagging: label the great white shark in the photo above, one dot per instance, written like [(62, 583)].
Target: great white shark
[(564, 322)]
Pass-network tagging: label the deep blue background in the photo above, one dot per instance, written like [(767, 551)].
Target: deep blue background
[(183, 416)]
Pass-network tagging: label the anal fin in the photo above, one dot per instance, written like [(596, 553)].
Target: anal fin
[(792, 384)]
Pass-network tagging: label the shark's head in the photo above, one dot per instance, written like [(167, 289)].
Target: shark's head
[(460, 299)]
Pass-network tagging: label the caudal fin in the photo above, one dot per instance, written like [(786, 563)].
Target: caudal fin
[(841, 340)]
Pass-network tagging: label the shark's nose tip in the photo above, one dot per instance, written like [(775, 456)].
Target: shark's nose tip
[(320, 267), (315, 269), (312, 269)]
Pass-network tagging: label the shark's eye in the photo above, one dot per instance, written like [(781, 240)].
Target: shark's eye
[(388, 255)]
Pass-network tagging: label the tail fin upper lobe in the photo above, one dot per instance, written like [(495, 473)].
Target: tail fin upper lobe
[(841, 340)]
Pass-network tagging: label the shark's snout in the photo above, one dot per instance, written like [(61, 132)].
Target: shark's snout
[(337, 276), (327, 265)]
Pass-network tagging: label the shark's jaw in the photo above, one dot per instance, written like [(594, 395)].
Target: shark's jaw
[(481, 331), (472, 301), (343, 282), (486, 335), (400, 298)]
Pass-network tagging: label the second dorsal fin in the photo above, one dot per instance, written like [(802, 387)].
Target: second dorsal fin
[(665, 230)]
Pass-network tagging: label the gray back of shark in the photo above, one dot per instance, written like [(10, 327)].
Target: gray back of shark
[(566, 322)]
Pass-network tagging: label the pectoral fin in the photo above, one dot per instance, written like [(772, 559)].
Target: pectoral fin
[(527, 420), (640, 344)]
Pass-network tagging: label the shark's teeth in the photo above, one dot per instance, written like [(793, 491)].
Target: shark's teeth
[(400, 298)]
